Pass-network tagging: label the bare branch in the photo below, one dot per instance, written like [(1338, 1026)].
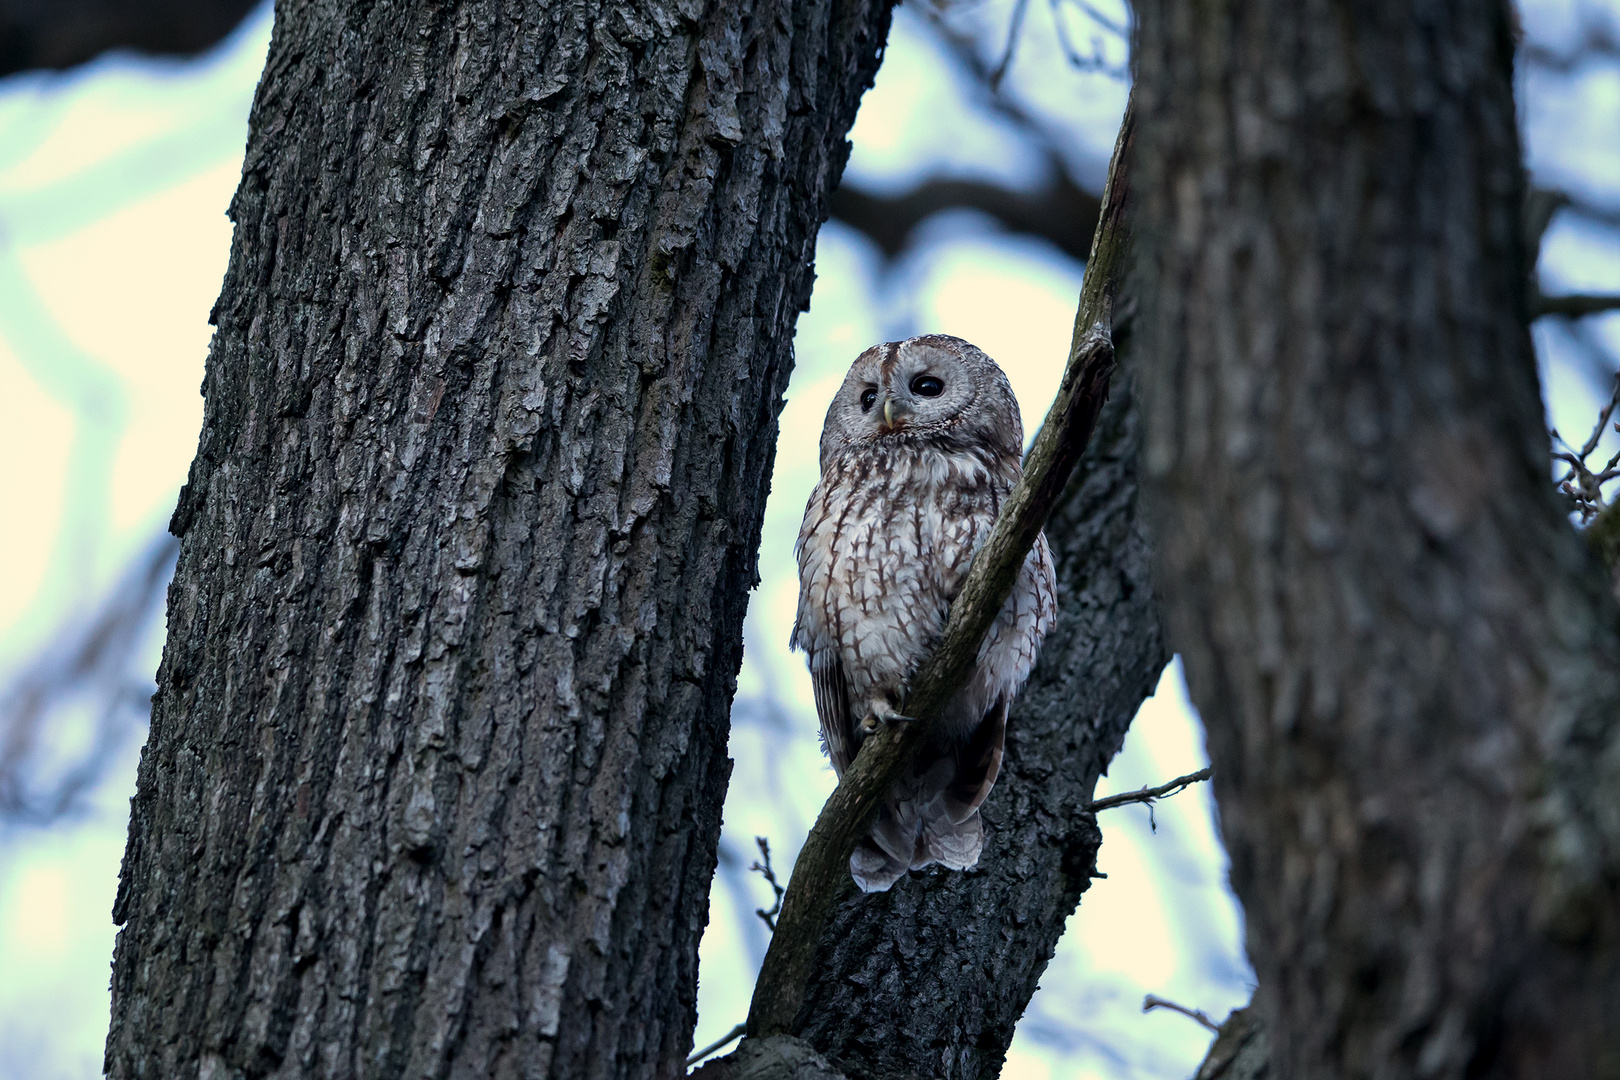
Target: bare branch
[(769, 875), (1013, 28), (1586, 208), (821, 872), (62, 33), (1096, 60), (1149, 794), (719, 1044), (1064, 213), (1152, 1002), (1572, 305)]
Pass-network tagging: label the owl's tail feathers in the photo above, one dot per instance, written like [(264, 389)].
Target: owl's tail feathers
[(874, 869), (933, 814)]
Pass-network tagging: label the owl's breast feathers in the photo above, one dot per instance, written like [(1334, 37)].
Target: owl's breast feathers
[(886, 542), (920, 446)]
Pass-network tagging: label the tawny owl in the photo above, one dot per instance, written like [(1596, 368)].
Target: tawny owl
[(922, 443)]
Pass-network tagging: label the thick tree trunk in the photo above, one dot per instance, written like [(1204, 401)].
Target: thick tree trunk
[(1405, 659), (437, 758), (929, 978)]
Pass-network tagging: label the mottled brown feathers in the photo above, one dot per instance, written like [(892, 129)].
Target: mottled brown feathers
[(921, 444)]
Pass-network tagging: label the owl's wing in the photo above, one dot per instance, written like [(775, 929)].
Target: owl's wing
[(832, 707)]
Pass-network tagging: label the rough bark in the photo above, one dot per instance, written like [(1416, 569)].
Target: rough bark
[(1603, 537), (1241, 1050), (436, 763), (929, 978), (1405, 658), (62, 33)]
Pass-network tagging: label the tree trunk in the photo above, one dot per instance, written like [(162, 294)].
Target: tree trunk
[(1405, 659), (929, 978), (436, 764)]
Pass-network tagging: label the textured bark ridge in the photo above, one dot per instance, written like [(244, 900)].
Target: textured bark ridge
[(1406, 661), (437, 758), (929, 978)]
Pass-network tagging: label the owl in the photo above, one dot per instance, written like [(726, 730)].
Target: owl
[(921, 444)]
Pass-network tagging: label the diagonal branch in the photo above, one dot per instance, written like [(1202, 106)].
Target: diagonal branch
[(819, 875), (1148, 794)]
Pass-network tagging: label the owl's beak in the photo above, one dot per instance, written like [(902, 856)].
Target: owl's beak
[(894, 416)]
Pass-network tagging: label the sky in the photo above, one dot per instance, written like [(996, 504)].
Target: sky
[(114, 180)]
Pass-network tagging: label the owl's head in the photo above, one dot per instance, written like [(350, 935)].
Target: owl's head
[(932, 391)]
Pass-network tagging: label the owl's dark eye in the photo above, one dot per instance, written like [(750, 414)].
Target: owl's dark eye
[(868, 398), (927, 386)]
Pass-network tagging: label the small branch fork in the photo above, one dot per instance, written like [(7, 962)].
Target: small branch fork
[(820, 876), (765, 871), (1573, 305), (1148, 795), (1581, 483), (718, 1044), (1152, 1002)]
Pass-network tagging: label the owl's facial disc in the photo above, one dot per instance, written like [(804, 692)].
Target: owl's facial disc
[(930, 392)]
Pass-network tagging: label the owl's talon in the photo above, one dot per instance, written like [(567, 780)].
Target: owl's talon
[(881, 710)]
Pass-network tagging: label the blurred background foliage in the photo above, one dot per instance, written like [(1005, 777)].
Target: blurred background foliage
[(967, 206)]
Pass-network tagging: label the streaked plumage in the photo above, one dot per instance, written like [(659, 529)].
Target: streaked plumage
[(911, 482)]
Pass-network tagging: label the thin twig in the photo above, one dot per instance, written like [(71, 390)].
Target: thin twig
[(720, 1044), (1148, 794), (1013, 29), (1583, 485), (821, 874), (1097, 61), (769, 875), (1152, 1002)]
